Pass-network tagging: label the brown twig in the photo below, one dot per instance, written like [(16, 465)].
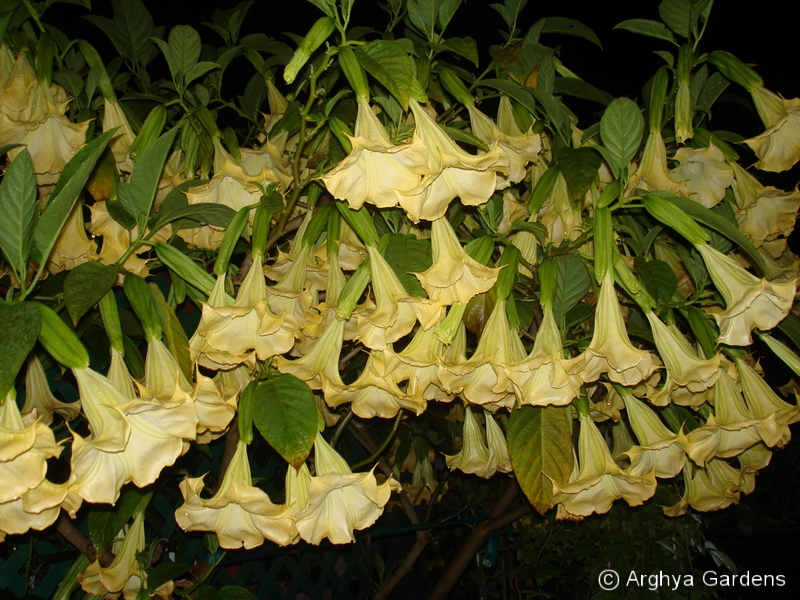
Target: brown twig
[(231, 440), (81, 542), (499, 517)]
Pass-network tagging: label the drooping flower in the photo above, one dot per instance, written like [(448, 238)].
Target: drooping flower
[(482, 379), (215, 400), (37, 509), (450, 172), (542, 377), (610, 350), (321, 363), (375, 167), (454, 276), (24, 451), (705, 173), (418, 364), (778, 148), (772, 215), (659, 448), (240, 514), (750, 302), (72, 247), (124, 137), (338, 500), (39, 398), (474, 456), (117, 240), (774, 414), (597, 480), (713, 488), (560, 214), (652, 173)]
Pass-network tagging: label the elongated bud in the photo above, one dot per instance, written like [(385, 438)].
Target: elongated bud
[(360, 221), (542, 189), (446, 330), (352, 291), (353, 71), (454, 86), (548, 281), (185, 267), (609, 194), (508, 275), (258, 240), (110, 315), (735, 70), (317, 224), (245, 413), (658, 95), (341, 131), (603, 243), (319, 32), (232, 235), (207, 121), (625, 277), (138, 294), (61, 341), (480, 249), (150, 131), (672, 216)]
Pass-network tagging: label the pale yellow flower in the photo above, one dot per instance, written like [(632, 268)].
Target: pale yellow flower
[(117, 240), (560, 214), (124, 137), (450, 172), (705, 173), (542, 377), (597, 481), (215, 401), (712, 488), (338, 501), (774, 414), (240, 514), (18, 84), (751, 302), (418, 363), (778, 148), (454, 276), (610, 350), (73, 247), (652, 173), (474, 456), (659, 448), (375, 168), (772, 215), (482, 379), (24, 451), (37, 508), (321, 363), (39, 398)]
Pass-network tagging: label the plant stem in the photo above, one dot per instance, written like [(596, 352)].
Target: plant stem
[(384, 445)]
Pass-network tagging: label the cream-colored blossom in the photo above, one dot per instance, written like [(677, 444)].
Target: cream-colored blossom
[(705, 174), (240, 514), (321, 363), (72, 247), (474, 456), (652, 173), (711, 488), (450, 172), (750, 302), (39, 398), (123, 138), (542, 377), (117, 240), (610, 350), (772, 215), (418, 363), (375, 168), (24, 451), (774, 414), (37, 508), (482, 379), (659, 448), (215, 401), (498, 446), (454, 276), (338, 500), (560, 214), (597, 481), (778, 148)]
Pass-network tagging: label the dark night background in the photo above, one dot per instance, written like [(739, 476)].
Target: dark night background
[(761, 534)]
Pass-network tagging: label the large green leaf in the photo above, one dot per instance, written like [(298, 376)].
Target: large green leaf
[(105, 522), (424, 15), (210, 213), (658, 278), (407, 254), (388, 63), (540, 446), (138, 193), (646, 27), (18, 206), (573, 284), (85, 285), (621, 129), (130, 29), (184, 46), (285, 413), (164, 572), (572, 86), (19, 330), (681, 15), (579, 167), (567, 26), (65, 195)]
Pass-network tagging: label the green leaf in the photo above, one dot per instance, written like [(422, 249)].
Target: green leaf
[(465, 47), (681, 15), (65, 195), (791, 327), (388, 63), (285, 413), (5, 148), (19, 330), (198, 70), (570, 27), (649, 28), (177, 342), (579, 167), (326, 6), (407, 254), (210, 213), (621, 129), (658, 278), (138, 193), (513, 90), (423, 14), (106, 522), (540, 446), (447, 9), (721, 225), (184, 47), (164, 572), (129, 31), (573, 284), (18, 202), (572, 86), (85, 285)]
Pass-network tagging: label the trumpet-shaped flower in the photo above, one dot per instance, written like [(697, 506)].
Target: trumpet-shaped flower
[(72, 247), (37, 508), (321, 363), (774, 414), (705, 173), (610, 350), (117, 240), (418, 363), (659, 448), (750, 302), (338, 501), (772, 215), (454, 276), (542, 377), (778, 148), (560, 214), (482, 379), (39, 398), (652, 173), (215, 401), (24, 451), (124, 137), (713, 488), (240, 514), (475, 456), (375, 167), (451, 172), (598, 481)]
